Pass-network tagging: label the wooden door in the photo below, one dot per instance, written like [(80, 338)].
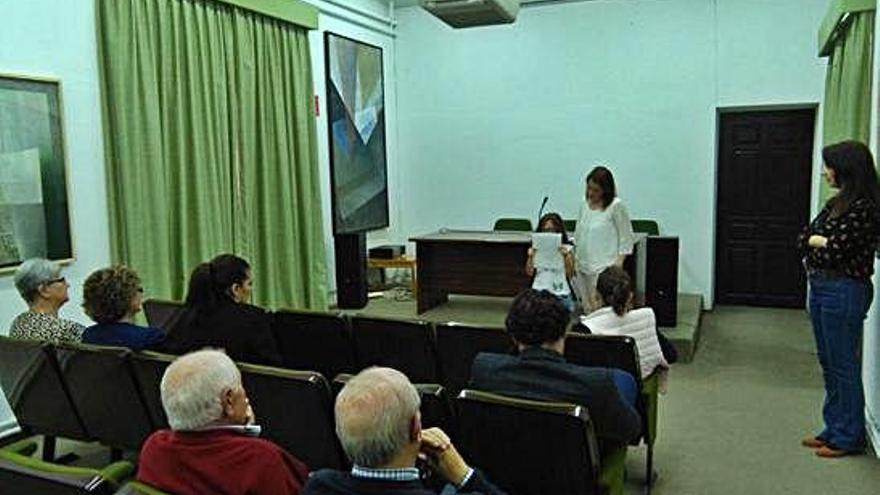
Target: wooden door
[(764, 169)]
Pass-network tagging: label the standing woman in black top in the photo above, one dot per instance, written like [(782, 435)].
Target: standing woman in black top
[(838, 248), (218, 314)]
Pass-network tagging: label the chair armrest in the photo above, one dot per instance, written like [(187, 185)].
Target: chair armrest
[(25, 447)]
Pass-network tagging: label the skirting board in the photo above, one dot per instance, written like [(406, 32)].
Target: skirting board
[(873, 426)]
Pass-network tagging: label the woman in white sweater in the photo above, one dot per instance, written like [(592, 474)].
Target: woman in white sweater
[(603, 234), (615, 316)]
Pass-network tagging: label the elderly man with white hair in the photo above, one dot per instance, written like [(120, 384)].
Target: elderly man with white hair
[(378, 424), (212, 446)]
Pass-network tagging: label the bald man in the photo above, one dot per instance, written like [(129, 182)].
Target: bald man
[(378, 424), (212, 445)]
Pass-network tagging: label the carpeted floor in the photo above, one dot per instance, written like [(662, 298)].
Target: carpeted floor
[(733, 418)]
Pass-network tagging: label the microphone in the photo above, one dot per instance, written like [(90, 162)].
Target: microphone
[(541, 210)]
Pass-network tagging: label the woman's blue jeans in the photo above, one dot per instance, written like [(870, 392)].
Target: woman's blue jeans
[(838, 306)]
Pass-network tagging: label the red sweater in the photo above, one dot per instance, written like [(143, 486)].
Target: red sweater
[(220, 462)]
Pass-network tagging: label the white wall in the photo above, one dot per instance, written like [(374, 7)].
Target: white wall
[(492, 119), (57, 39)]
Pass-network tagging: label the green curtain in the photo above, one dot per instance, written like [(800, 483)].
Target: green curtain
[(847, 106), (210, 146)]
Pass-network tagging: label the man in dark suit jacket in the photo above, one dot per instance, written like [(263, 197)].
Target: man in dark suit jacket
[(378, 424), (537, 321)]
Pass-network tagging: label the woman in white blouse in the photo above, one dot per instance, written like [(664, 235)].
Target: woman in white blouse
[(603, 234)]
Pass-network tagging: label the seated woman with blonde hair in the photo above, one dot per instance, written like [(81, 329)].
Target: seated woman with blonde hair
[(112, 297), (41, 285), (616, 316)]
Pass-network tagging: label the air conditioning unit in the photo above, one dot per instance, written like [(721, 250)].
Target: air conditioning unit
[(470, 13)]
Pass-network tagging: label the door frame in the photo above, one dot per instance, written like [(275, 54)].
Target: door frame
[(815, 176)]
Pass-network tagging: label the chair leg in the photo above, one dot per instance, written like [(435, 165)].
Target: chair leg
[(49, 448), (649, 475)]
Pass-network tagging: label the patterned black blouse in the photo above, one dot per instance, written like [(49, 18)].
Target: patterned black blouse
[(852, 240)]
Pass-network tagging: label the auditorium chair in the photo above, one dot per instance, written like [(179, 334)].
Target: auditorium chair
[(619, 351), (295, 409), (139, 488), (529, 447), (649, 227), (162, 314), (569, 225), (407, 346), (21, 474), (148, 368), (36, 393), (315, 341), (520, 224), (104, 391), (435, 409), (457, 345)]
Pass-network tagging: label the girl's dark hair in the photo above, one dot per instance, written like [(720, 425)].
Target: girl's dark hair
[(557, 219), (210, 282), (605, 180), (615, 288), (854, 173)]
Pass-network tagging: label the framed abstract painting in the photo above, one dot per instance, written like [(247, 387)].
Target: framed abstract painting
[(356, 129), (34, 220)]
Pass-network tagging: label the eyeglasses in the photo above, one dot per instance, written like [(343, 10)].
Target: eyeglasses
[(55, 281)]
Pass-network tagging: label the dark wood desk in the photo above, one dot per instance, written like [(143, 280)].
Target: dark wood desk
[(470, 262)]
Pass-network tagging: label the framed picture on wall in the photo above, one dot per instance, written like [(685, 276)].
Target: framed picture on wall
[(34, 220), (356, 129)]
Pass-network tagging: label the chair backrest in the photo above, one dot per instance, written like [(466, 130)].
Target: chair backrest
[(457, 345), (529, 447), (407, 346), (436, 408), (295, 410), (104, 390), (604, 351), (520, 224), (569, 225), (649, 227), (39, 398), (315, 341), (148, 368), (162, 314)]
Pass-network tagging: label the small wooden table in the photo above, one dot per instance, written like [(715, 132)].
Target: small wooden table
[(402, 261)]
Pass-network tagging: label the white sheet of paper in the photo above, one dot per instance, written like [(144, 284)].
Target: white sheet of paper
[(547, 250)]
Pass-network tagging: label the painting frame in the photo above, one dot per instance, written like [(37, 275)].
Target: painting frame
[(35, 219), (356, 134)]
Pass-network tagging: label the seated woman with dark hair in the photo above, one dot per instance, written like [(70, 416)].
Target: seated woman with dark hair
[(218, 314), (111, 297), (615, 315)]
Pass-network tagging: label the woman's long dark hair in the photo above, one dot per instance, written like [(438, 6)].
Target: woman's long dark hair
[(854, 173), (557, 219), (210, 283), (615, 288)]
